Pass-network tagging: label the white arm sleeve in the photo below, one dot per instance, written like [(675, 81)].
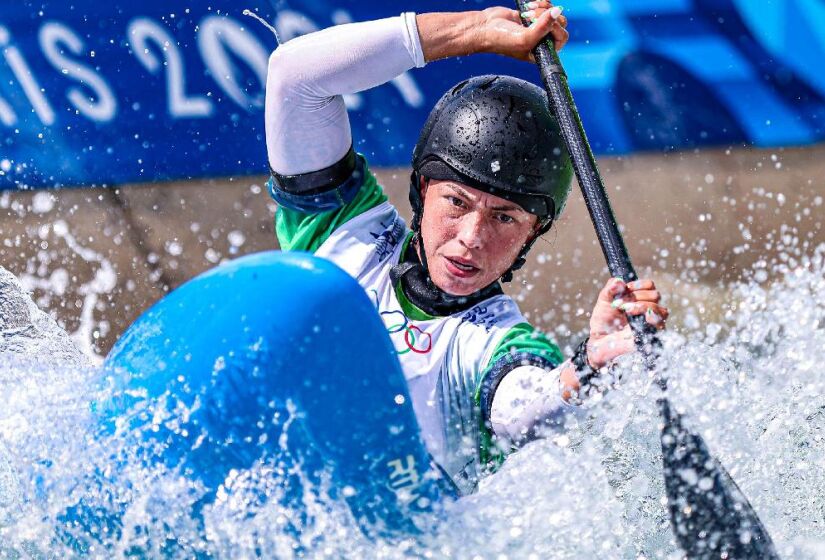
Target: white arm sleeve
[(307, 127), (526, 400)]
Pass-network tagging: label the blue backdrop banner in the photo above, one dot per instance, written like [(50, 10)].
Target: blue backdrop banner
[(108, 93)]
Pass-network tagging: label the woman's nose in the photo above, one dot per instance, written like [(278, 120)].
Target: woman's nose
[(471, 232)]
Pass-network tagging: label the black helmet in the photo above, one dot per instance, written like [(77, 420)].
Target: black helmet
[(496, 134)]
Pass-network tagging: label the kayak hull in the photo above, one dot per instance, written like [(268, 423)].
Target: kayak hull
[(277, 357)]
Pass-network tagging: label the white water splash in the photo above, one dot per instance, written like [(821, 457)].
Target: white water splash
[(265, 23), (56, 284), (752, 384)]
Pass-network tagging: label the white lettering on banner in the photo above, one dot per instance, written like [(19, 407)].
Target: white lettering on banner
[(100, 108), (7, 116), (291, 24), (24, 75), (409, 90), (215, 35), (340, 17), (143, 30), (222, 42)]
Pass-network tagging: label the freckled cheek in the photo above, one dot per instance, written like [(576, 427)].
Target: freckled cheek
[(506, 239), (507, 245), (448, 228), (503, 258), (439, 236)]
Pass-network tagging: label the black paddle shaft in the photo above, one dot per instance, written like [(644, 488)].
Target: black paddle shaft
[(584, 163), (595, 197), (710, 516)]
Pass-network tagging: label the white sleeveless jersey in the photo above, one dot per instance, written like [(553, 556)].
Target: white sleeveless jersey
[(442, 358)]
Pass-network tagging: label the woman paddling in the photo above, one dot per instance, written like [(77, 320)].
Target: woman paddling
[(490, 175)]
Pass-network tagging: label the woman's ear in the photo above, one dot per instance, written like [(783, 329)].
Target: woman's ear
[(539, 227), (423, 183)]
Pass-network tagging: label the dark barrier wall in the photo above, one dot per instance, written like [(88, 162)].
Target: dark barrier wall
[(98, 93)]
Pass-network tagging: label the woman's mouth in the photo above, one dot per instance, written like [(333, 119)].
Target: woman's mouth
[(460, 267)]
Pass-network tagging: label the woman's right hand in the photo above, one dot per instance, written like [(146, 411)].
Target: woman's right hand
[(502, 32), (610, 334)]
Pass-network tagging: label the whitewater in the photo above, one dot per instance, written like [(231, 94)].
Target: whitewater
[(749, 374)]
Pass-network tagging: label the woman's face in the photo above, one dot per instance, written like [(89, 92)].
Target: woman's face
[(471, 238)]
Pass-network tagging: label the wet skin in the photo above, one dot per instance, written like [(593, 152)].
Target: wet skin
[(471, 238)]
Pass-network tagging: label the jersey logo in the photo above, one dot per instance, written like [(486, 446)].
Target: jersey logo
[(414, 339), (481, 315), (421, 343), (386, 240)]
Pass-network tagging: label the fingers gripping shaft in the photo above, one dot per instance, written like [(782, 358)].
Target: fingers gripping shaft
[(584, 164)]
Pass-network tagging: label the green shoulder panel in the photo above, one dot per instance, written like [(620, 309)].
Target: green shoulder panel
[(297, 231), (525, 338)]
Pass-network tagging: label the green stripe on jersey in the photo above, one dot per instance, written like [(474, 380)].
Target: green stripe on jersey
[(525, 338), (297, 231)]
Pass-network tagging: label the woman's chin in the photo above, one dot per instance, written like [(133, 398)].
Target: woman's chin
[(453, 286)]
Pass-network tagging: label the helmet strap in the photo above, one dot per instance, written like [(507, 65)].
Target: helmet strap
[(417, 202), (418, 215)]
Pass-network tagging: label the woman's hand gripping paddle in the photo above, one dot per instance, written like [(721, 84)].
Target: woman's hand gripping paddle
[(710, 516)]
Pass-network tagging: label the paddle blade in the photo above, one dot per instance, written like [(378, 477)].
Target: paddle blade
[(710, 516)]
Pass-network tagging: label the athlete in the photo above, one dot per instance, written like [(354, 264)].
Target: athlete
[(490, 175)]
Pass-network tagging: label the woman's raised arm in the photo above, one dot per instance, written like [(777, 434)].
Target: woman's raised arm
[(307, 127)]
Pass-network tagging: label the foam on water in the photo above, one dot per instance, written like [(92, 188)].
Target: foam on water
[(752, 384), (56, 284)]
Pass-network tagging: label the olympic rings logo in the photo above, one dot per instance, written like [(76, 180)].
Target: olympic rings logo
[(415, 340)]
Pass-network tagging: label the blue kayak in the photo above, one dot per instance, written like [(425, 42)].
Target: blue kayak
[(279, 357)]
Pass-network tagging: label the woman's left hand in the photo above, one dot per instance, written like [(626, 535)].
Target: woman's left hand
[(610, 333)]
